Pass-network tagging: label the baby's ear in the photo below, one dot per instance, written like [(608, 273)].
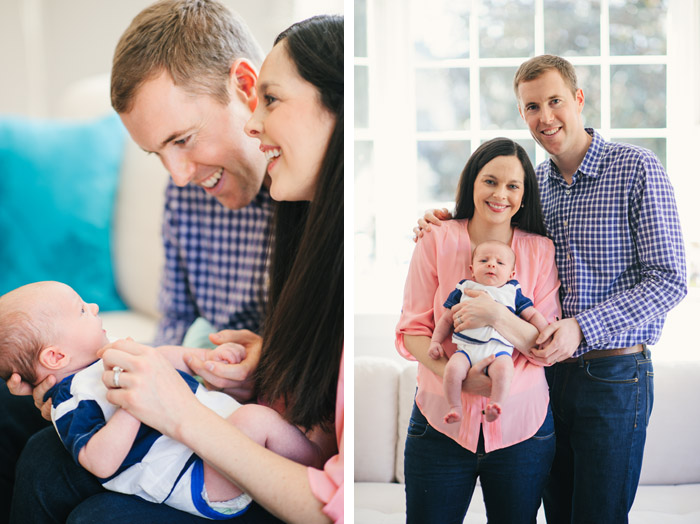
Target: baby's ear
[(512, 275), (53, 358)]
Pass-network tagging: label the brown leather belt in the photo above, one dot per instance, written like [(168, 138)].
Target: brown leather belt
[(601, 353)]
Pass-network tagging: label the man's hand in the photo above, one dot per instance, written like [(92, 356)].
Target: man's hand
[(432, 216), (235, 380), (18, 387), (558, 341)]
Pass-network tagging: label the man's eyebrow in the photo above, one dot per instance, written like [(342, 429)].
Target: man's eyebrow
[(172, 137)]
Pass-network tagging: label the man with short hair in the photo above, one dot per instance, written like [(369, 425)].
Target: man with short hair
[(611, 212)]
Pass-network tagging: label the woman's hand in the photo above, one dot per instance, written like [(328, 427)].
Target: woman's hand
[(18, 387), (234, 379), (150, 388), (480, 311), (432, 216), (478, 382)]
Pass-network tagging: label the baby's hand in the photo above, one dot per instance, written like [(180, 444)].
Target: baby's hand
[(229, 353), (436, 350)]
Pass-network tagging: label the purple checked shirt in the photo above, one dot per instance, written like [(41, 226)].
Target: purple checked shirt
[(618, 242), (215, 262)]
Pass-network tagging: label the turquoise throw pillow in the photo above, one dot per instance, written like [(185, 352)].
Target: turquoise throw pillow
[(58, 182)]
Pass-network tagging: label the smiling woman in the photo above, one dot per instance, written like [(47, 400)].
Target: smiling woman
[(293, 126)]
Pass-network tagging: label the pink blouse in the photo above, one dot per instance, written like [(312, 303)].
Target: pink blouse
[(327, 484), (440, 260)]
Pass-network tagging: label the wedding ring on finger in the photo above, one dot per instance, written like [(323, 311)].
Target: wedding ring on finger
[(459, 319), (117, 371)]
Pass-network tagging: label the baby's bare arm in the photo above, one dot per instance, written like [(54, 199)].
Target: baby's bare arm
[(443, 328), (107, 449), (176, 355)]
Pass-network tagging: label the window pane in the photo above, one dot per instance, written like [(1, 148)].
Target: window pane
[(638, 27), (638, 96), (572, 27), (365, 231), (442, 99), (439, 166), (441, 29), (657, 145), (499, 108), (361, 97), (589, 81), (506, 28), (360, 27)]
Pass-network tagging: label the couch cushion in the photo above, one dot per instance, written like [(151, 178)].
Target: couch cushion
[(57, 189), (376, 398), (670, 455)]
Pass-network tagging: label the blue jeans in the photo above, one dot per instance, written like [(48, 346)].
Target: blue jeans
[(51, 488), (601, 410), (441, 475)]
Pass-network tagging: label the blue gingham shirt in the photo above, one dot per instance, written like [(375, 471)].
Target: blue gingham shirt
[(215, 262), (619, 248)]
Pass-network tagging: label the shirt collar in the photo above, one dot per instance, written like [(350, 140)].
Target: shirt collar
[(590, 164)]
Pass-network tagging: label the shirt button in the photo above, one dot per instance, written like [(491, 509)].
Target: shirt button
[(566, 222), (568, 191)]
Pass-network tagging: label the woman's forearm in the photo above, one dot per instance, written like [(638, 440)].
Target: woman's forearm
[(477, 382), (278, 484), (517, 331), (418, 345)]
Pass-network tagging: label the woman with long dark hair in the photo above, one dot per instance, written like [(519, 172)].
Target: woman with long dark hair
[(497, 199)]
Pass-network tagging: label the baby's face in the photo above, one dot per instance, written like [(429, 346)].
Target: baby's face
[(77, 326), (493, 264)]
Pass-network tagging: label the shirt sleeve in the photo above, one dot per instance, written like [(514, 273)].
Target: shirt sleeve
[(174, 300), (543, 272), (417, 316), (660, 253), (77, 426), (327, 484), (453, 299)]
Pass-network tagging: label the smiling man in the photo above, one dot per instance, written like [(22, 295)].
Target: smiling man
[(189, 104), (611, 212)]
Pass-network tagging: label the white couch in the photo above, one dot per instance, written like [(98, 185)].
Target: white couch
[(670, 485), (137, 245)]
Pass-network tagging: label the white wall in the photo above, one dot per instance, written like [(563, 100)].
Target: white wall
[(49, 44)]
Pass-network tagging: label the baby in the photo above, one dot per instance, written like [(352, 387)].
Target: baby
[(46, 328), (493, 267)]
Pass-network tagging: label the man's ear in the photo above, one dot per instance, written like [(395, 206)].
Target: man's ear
[(580, 99), (243, 80), (53, 358)]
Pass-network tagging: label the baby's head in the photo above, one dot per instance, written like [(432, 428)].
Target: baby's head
[(46, 328), (493, 263)]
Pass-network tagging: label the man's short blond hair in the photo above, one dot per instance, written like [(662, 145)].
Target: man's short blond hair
[(537, 66), (194, 41)]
